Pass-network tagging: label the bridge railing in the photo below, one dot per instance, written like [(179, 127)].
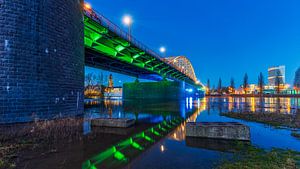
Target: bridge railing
[(117, 30), (103, 21)]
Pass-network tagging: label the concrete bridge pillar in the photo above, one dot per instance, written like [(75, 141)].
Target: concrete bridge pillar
[(41, 59)]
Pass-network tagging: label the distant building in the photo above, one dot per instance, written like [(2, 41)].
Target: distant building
[(253, 89), (297, 79), (276, 72), (111, 91)]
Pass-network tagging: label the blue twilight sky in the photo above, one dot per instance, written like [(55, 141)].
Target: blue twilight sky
[(222, 38)]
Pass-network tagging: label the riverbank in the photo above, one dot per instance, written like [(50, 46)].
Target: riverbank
[(61, 143), (256, 158), (255, 95), (36, 139), (274, 119)]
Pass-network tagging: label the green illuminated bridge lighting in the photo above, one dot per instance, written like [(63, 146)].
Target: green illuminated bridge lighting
[(109, 47)]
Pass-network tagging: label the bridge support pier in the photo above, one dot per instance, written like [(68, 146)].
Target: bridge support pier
[(154, 90), (41, 59)]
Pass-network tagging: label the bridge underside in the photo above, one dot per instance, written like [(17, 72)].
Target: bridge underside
[(101, 61)]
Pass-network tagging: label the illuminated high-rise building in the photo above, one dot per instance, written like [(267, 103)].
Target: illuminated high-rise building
[(274, 73), (297, 79)]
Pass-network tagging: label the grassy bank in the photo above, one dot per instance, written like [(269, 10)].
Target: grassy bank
[(37, 137), (274, 119), (295, 134), (251, 157)]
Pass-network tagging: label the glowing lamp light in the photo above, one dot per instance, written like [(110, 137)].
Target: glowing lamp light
[(127, 20), (87, 6), (162, 49), (162, 148)]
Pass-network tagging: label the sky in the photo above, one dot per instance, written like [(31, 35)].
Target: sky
[(222, 38)]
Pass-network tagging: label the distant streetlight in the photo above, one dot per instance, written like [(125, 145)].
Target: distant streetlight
[(87, 6), (127, 21), (162, 148), (163, 50)]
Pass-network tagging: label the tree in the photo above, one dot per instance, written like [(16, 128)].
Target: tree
[(245, 83), (261, 83), (100, 79), (100, 82), (89, 79), (220, 86), (232, 85), (213, 89), (208, 86)]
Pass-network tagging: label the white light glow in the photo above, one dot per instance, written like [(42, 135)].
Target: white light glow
[(162, 49), (127, 20)]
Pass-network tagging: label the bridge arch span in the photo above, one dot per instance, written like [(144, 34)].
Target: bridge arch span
[(183, 64)]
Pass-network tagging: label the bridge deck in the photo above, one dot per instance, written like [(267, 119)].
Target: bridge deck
[(110, 48)]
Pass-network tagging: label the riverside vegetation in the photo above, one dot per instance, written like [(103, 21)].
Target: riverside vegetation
[(256, 158)]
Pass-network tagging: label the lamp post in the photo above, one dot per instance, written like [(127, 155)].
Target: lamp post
[(127, 21)]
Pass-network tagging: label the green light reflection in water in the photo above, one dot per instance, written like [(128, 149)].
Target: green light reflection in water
[(130, 143)]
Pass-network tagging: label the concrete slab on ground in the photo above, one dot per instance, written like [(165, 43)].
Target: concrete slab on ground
[(218, 130)]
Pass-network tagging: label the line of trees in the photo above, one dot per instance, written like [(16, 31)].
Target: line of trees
[(91, 79), (231, 88), (260, 84)]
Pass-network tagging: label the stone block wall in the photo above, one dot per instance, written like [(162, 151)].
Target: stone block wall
[(41, 59)]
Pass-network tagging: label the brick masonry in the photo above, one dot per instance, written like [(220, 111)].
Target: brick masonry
[(41, 59)]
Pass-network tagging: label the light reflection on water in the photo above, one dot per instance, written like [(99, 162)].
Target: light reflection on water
[(174, 150), (256, 104), (178, 154)]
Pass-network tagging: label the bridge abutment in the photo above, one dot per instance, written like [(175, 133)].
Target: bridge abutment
[(154, 90), (41, 59)]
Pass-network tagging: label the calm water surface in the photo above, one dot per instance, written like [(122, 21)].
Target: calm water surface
[(174, 151)]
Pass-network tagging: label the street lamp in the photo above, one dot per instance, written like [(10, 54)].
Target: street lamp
[(127, 20), (163, 50), (87, 6)]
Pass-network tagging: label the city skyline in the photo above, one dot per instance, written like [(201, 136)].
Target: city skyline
[(230, 37)]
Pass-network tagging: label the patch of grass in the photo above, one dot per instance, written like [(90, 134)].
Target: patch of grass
[(251, 157), (295, 134), (4, 164), (273, 119), (36, 138)]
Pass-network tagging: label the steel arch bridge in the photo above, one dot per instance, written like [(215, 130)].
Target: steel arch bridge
[(183, 64), (109, 47)]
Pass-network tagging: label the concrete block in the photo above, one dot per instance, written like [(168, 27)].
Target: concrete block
[(113, 122), (218, 130)]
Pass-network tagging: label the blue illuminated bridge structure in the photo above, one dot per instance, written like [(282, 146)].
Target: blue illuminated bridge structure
[(110, 48)]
